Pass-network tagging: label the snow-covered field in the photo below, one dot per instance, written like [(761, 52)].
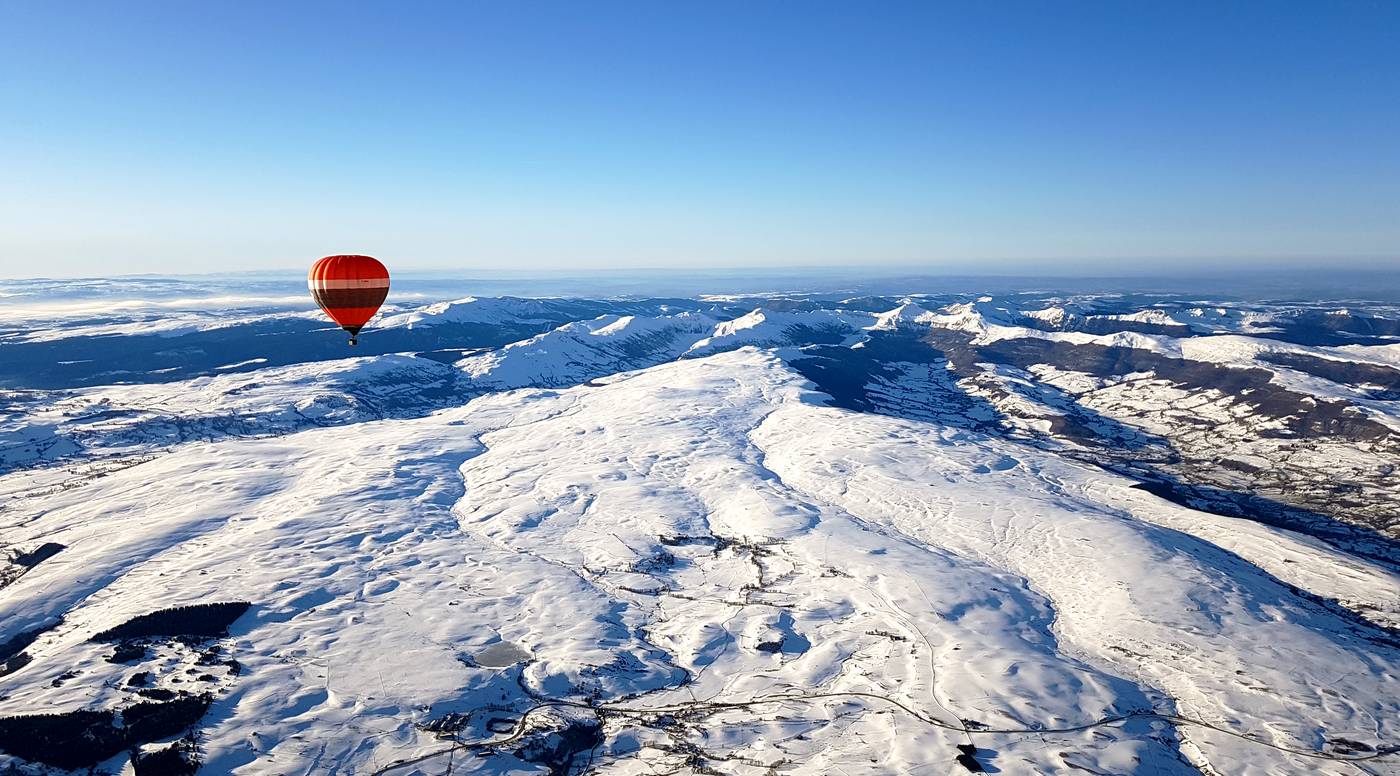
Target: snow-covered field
[(685, 543)]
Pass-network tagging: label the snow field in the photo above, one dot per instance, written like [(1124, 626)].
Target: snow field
[(704, 532)]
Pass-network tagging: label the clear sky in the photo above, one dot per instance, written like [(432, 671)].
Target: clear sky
[(972, 136)]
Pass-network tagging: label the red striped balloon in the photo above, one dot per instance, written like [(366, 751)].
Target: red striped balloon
[(349, 288)]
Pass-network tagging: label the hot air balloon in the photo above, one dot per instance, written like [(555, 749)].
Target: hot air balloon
[(350, 289)]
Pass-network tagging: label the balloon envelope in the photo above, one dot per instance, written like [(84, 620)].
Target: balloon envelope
[(349, 288)]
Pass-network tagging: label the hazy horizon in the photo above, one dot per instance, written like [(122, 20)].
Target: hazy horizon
[(287, 285)]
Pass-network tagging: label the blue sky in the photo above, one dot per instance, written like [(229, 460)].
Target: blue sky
[(976, 136)]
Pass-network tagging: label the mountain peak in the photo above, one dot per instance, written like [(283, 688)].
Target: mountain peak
[(905, 315)]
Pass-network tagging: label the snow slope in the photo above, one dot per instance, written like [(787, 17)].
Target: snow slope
[(97, 423), (584, 350), (489, 310), (704, 565), (777, 328)]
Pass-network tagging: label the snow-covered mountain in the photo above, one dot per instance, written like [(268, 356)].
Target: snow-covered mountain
[(777, 328), (1031, 534), (581, 351)]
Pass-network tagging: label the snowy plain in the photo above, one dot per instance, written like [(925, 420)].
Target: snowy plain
[(653, 544)]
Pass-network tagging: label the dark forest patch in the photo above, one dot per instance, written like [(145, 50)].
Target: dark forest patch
[(1381, 382), (21, 562), (39, 554), (12, 653), (198, 621), (76, 739), (82, 739), (179, 759), (154, 720)]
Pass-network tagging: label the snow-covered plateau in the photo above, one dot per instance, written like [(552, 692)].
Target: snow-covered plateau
[(789, 534)]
